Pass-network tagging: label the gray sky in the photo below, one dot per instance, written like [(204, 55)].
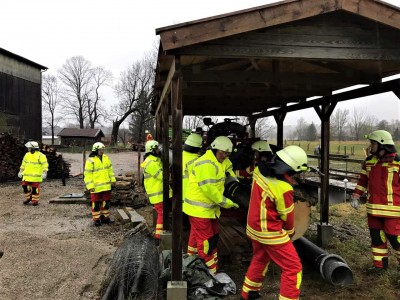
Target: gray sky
[(115, 33)]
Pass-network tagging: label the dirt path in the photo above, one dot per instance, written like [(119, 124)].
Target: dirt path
[(53, 251)]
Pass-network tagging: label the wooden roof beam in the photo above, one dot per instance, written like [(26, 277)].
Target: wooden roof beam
[(388, 86)]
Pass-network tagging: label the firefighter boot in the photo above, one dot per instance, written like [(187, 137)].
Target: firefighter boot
[(97, 223), (106, 221), (26, 202), (377, 270), (253, 295)]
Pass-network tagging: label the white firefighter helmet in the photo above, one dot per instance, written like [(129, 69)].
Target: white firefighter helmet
[(146, 131), (150, 146), (380, 136), (294, 157), (222, 143), (98, 146), (32, 145), (261, 146), (194, 140)]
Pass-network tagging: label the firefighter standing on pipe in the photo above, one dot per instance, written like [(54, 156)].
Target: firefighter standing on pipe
[(33, 170), (99, 179), (153, 181), (380, 177), (191, 152), (204, 197), (270, 223)]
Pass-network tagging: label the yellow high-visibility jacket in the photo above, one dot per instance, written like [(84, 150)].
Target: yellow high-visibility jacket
[(228, 167), (153, 179), (33, 165), (188, 160), (99, 174), (204, 194)]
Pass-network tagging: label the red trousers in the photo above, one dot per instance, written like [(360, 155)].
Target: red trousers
[(31, 191), (160, 213), (204, 235), (100, 205), (381, 230), (285, 256)]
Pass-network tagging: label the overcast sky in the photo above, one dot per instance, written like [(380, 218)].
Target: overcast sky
[(115, 33)]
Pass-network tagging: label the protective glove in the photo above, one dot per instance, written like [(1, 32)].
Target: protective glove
[(91, 190), (20, 174), (44, 175), (355, 201), (230, 204)]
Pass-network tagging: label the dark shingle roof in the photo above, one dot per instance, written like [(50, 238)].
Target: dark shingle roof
[(81, 132)]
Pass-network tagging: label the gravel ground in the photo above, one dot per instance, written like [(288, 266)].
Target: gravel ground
[(53, 251)]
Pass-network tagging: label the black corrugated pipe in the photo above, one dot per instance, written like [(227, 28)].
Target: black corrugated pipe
[(332, 267), (238, 193)]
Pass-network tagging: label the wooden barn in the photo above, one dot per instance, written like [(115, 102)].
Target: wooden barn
[(20, 96), (80, 136)]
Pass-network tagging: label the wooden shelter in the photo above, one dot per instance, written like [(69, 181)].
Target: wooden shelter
[(270, 60), (80, 136)]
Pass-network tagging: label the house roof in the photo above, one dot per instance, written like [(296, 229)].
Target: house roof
[(81, 132), (275, 57), (23, 59)]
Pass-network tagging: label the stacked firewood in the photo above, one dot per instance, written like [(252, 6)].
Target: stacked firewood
[(125, 192), (12, 153)]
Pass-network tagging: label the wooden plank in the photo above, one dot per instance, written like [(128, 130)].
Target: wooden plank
[(239, 22), (133, 216), (122, 216)]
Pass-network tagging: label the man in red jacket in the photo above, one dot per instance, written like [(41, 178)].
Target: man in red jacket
[(270, 223), (380, 179)]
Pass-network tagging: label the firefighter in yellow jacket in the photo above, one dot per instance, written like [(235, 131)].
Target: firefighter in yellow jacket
[(99, 178), (152, 169), (204, 197), (191, 152), (270, 224), (33, 170)]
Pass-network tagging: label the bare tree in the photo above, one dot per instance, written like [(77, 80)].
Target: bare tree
[(301, 128), (76, 75), (134, 86), (265, 128), (141, 119), (358, 122), (339, 121), (50, 94), (99, 77), (192, 122)]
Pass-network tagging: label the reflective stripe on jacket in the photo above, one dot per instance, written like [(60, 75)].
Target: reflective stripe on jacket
[(99, 174), (380, 177), (204, 194), (153, 179), (188, 160), (33, 165), (270, 218)]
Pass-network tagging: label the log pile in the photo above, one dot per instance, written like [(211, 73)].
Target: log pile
[(126, 192), (58, 167), (233, 243), (12, 153)]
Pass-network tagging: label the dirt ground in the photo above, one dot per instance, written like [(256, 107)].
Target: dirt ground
[(53, 251)]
